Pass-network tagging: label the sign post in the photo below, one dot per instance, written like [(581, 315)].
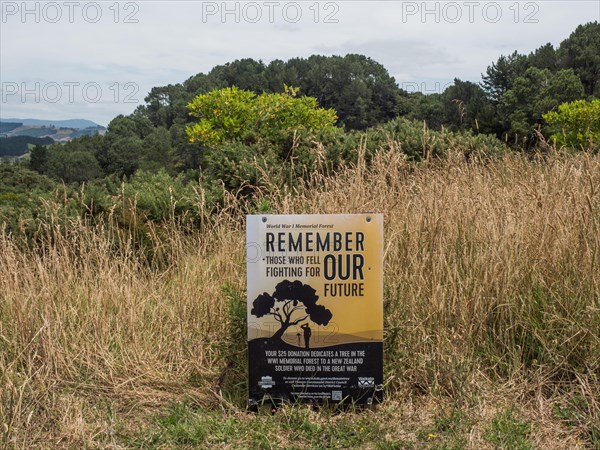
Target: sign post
[(315, 308)]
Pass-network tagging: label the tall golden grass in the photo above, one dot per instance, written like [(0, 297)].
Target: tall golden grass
[(491, 278)]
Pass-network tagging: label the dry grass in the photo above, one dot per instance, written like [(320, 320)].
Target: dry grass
[(492, 299)]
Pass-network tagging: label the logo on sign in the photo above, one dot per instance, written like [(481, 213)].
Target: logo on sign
[(366, 382), (266, 382)]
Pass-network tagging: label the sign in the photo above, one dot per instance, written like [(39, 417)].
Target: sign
[(315, 308)]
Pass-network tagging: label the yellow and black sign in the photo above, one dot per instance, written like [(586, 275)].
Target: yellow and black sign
[(315, 307)]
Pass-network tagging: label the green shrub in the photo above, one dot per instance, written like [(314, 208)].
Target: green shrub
[(231, 114), (160, 197), (576, 124)]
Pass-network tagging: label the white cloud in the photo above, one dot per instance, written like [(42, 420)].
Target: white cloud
[(171, 41)]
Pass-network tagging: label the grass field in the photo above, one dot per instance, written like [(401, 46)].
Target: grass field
[(492, 318)]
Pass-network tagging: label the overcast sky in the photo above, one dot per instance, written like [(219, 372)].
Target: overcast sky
[(94, 60)]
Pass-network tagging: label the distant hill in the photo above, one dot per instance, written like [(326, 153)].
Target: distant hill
[(32, 131), (5, 127), (69, 123), (19, 145), (58, 134)]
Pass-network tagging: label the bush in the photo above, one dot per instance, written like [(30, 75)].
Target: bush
[(72, 167), (576, 124), (231, 114), (160, 197), (418, 142)]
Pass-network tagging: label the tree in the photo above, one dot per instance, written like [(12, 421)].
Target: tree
[(294, 297), (124, 143), (543, 58), (467, 107), (246, 74), (581, 52), (534, 93), (38, 158), (186, 155), (278, 73), (360, 89), (136, 124), (157, 151), (576, 124), (124, 155), (72, 166), (166, 105), (501, 75), (426, 108)]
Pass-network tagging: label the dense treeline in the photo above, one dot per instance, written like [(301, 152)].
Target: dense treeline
[(5, 127), (515, 92), (19, 145), (246, 124)]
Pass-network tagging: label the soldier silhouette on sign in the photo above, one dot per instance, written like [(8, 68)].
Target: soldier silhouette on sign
[(307, 333)]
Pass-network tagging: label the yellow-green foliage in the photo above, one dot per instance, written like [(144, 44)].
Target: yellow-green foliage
[(232, 114), (576, 124)]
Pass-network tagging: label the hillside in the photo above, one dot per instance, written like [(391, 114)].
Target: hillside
[(69, 123), (58, 134), (5, 127), (17, 146), (17, 138)]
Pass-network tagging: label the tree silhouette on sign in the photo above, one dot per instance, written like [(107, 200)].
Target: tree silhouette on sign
[(288, 298)]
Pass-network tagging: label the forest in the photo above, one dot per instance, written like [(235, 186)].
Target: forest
[(344, 103)]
